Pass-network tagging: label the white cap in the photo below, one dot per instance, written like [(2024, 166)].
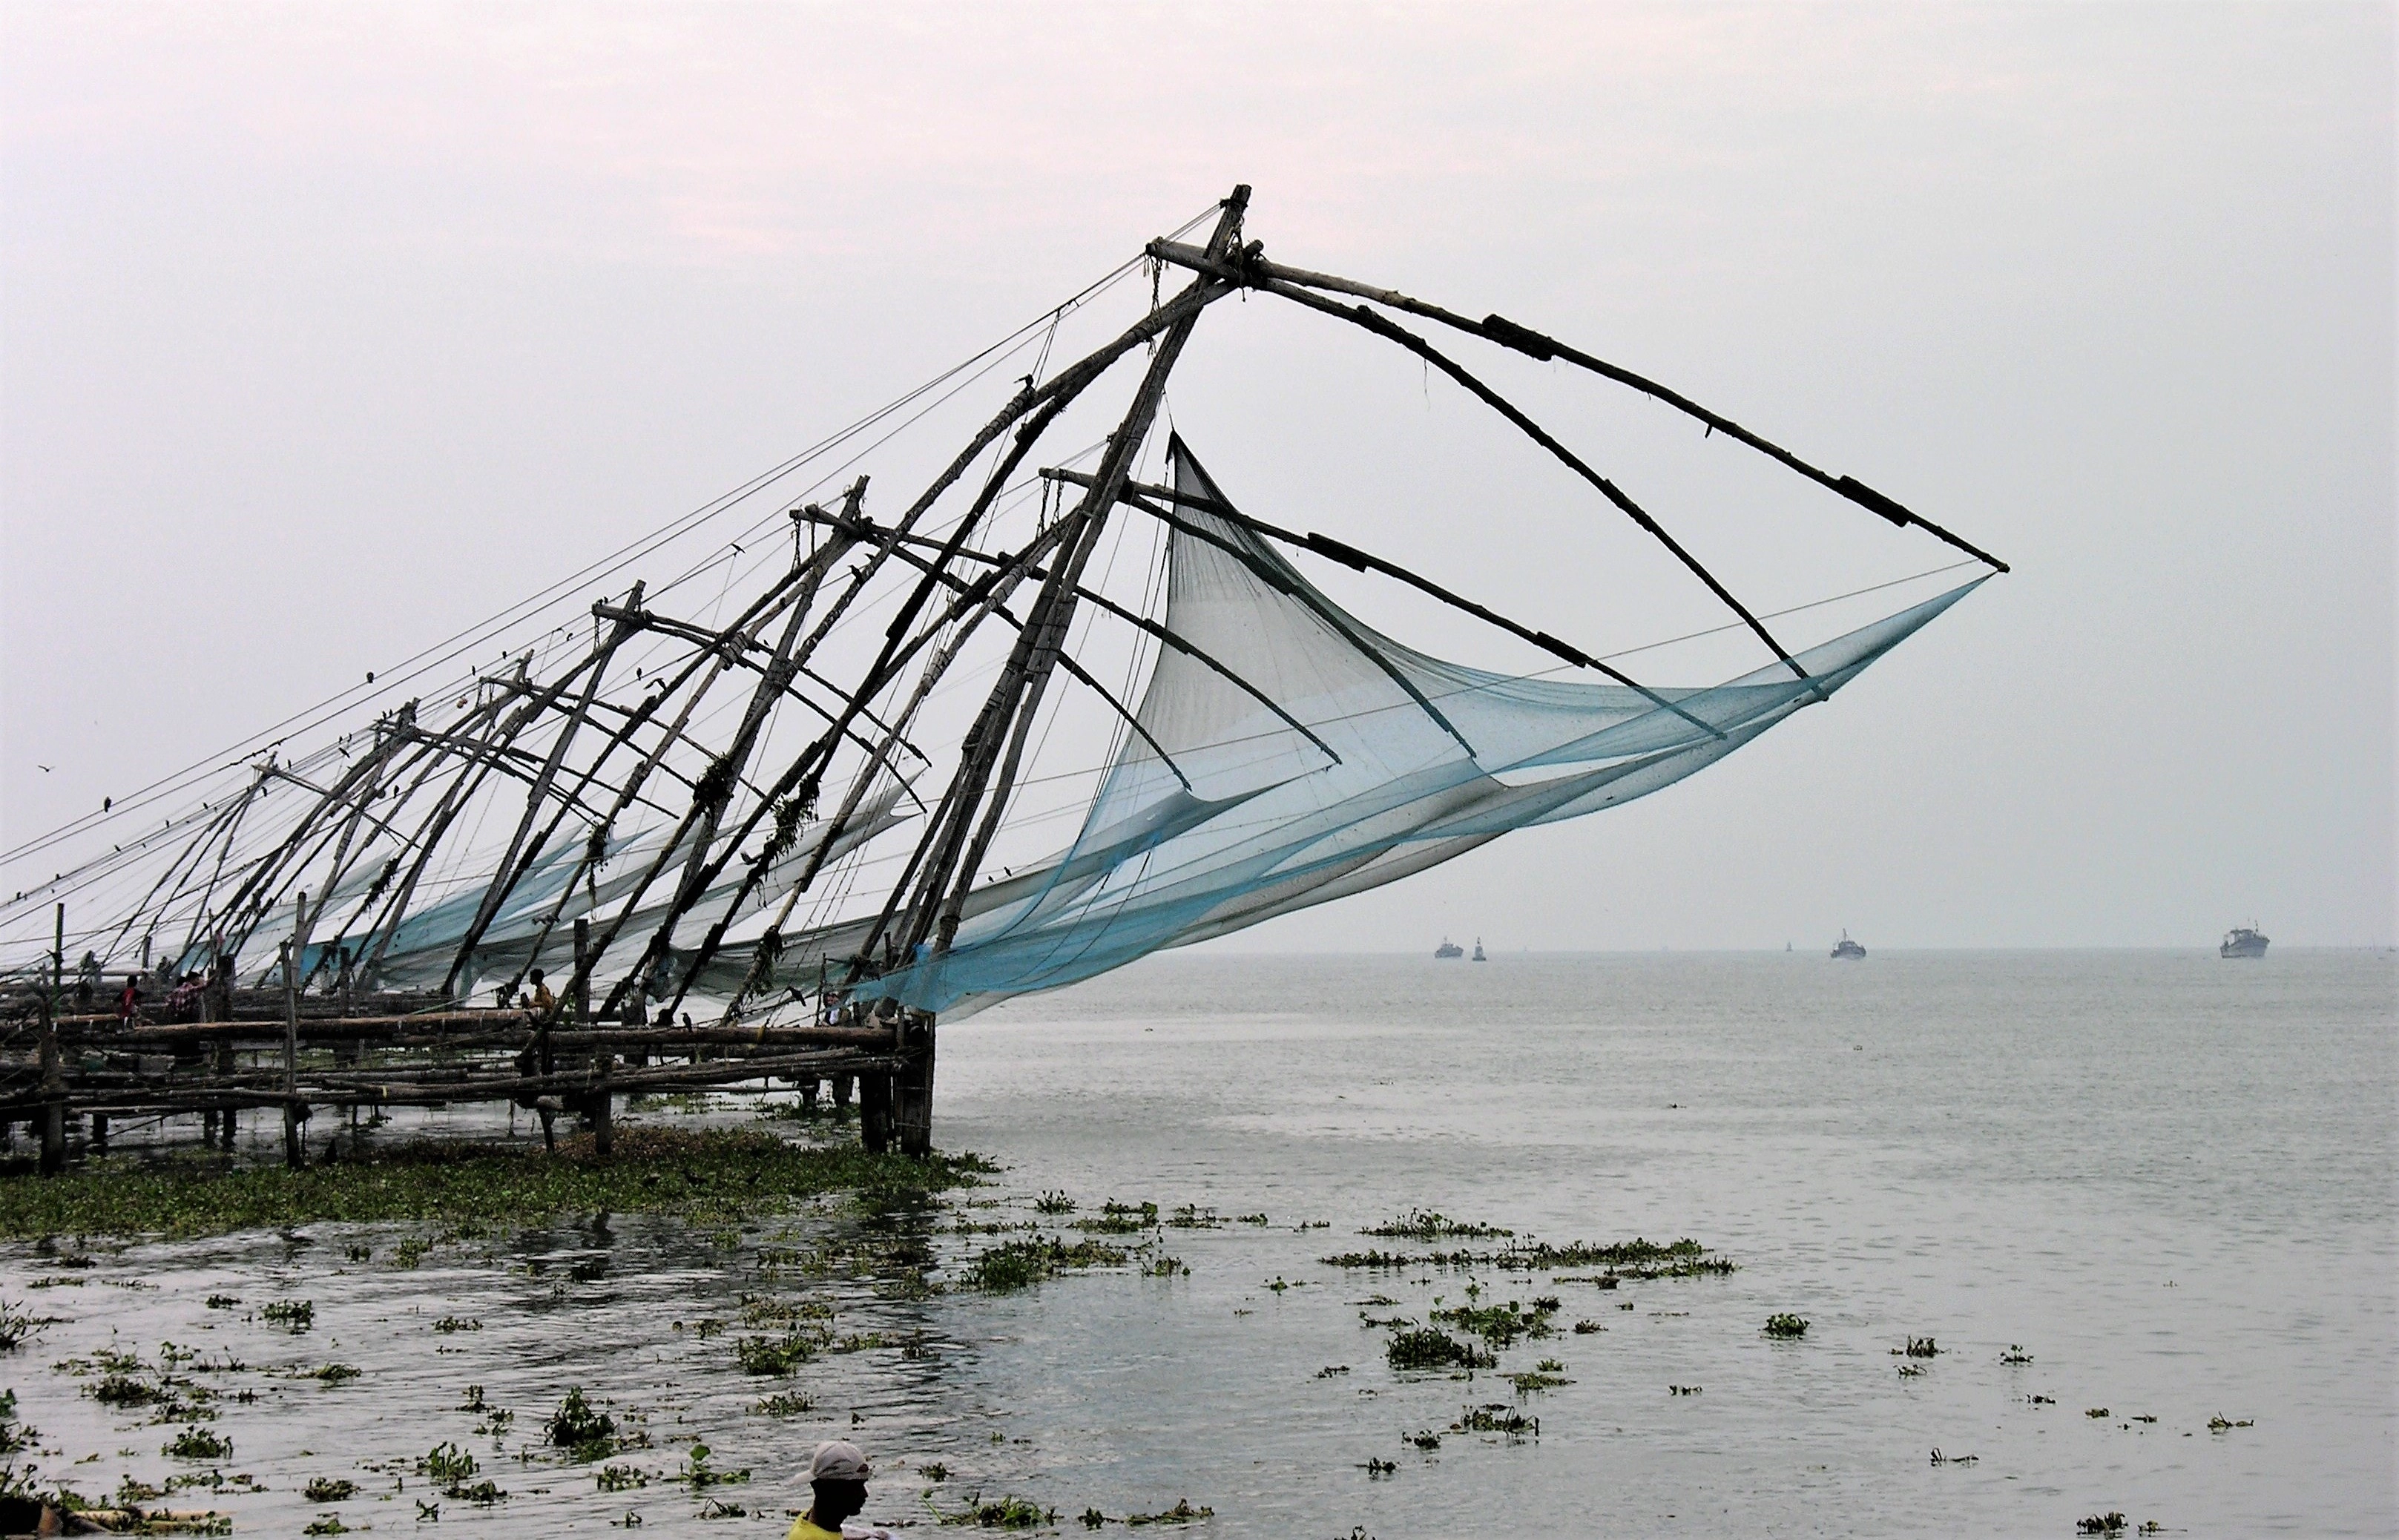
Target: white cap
[(839, 1461)]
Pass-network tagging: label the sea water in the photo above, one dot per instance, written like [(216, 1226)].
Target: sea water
[(2165, 1185)]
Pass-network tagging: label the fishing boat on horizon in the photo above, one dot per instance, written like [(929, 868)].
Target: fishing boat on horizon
[(1846, 950), (1449, 951), (2243, 941)]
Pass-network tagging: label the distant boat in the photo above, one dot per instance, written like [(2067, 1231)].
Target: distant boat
[(2245, 942), (1848, 949), (1478, 950), (1449, 951)]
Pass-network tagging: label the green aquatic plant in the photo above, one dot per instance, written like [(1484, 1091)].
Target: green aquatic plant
[(744, 1171), (1181, 1513), (197, 1443), (1919, 1347), (1426, 1225), (1547, 1375), (1430, 1348), (446, 1465), (1496, 1417), (1501, 1325), (322, 1489), (18, 1323), (1018, 1265), (789, 1403), (699, 1474), (620, 1478), (1054, 1203), (1005, 1513), (580, 1426), (2100, 1524), (333, 1374), (1785, 1324), (781, 1355), (293, 1316), (457, 1323), (1121, 1219)]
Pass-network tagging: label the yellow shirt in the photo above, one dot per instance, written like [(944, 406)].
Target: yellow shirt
[(803, 1529)]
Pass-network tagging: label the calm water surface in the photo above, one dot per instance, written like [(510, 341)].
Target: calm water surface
[(2168, 1179)]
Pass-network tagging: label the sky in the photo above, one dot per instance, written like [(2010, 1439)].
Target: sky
[(325, 331)]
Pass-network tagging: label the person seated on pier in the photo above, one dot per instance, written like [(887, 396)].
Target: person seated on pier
[(838, 1476), (540, 1002)]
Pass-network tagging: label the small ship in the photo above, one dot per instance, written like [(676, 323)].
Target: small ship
[(2243, 941), (1449, 951), (1478, 950), (1847, 949)]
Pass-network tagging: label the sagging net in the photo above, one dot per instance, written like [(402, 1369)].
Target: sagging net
[(1223, 811)]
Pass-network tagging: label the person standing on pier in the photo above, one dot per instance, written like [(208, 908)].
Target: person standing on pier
[(838, 1476), (540, 1002), (129, 1001)]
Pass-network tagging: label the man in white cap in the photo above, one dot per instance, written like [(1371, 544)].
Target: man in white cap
[(838, 1475)]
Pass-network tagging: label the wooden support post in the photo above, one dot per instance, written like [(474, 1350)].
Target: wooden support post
[(581, 993), (99, 1131), (295, 1152), (842, 1087), (54, 1090), (603, 1113), (875, 1112), (911, 1087)]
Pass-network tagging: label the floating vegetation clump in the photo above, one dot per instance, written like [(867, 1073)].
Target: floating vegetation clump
[(333, 1374), (1547, 1375), (1496, 1417), (197, 1443), (1430, 1348), (1585, 1328), (1630, 1258), (1181, 1513), (1120, 1219), (2016, 1354), (1017, 1265), (322, 1489), (1921, 1347), (781, 1355), (2100, 1524), (1502, 1325), (737, 1173), (2219, 1424), (293, 1316), (788, 1403), (1425, 1224), (1785, 1324), (1004, 1513), (457, 1323), (17, 1323), (580, 1426), (1054, 1203)]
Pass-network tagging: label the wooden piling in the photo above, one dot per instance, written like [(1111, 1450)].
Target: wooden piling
[(874, 1113), (54, 1092), (911, 1087), (602, 1113)]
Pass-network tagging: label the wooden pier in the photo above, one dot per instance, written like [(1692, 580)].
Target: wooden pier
[(62, 1064)]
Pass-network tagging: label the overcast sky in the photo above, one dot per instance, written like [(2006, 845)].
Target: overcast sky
[(326, 330)]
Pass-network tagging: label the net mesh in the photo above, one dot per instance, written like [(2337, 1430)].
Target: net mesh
[(1225, 812)]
